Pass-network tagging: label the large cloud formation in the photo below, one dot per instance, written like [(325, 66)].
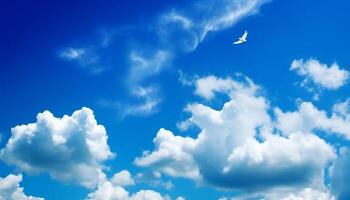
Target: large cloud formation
[(71, 148), (11, 190), (238, 146)]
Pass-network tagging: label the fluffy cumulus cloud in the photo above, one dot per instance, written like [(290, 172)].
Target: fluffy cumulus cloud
[(114, 190), (308, 118), (122, 178), (72, 148), (329, 77), (238, 144), (10, 189), (172, 155)]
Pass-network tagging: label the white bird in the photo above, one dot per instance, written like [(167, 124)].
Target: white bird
[(242, 39)]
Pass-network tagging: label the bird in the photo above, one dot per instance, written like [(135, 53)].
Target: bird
[(242, 39)]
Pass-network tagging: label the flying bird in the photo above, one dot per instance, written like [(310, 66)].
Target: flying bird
[(242, 39)]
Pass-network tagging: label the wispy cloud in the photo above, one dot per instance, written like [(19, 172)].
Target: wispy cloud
[(182, 31), (85, 57)]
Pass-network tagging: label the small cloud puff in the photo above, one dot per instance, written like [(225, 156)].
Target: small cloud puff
[(328, 77)]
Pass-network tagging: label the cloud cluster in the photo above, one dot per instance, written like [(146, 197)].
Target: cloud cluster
[(238, 145), (308, 119), (114, 190), (11, 190), (318, 74), (72, 148)]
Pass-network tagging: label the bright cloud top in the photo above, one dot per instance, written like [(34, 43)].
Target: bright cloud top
[(11, 190), (238, 143), (308, 118), (114, 190), (329, 77), (71, 148), (304, 194)]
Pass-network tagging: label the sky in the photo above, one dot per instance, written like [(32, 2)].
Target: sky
[(151, 100)]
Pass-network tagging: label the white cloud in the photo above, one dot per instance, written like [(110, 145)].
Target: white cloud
[(309, 194), (106, 191), (153, 179), (172, 155), (122, 178), (148, 107), (87, 57), (112, 190), (144, 66), (237, 144), (149, 101), (304, 194), (208, 86), (329, 77), (71, 148), (205, 17), (169, 146), (10, 189), (308, 118), (72, 53), (225, 14)]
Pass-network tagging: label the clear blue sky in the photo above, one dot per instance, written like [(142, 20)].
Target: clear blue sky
[(61, 56)]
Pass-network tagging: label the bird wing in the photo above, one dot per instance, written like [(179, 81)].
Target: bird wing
[(238, 42), (244, 36)]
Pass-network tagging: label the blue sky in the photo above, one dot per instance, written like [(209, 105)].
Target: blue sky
[(158, 89)]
